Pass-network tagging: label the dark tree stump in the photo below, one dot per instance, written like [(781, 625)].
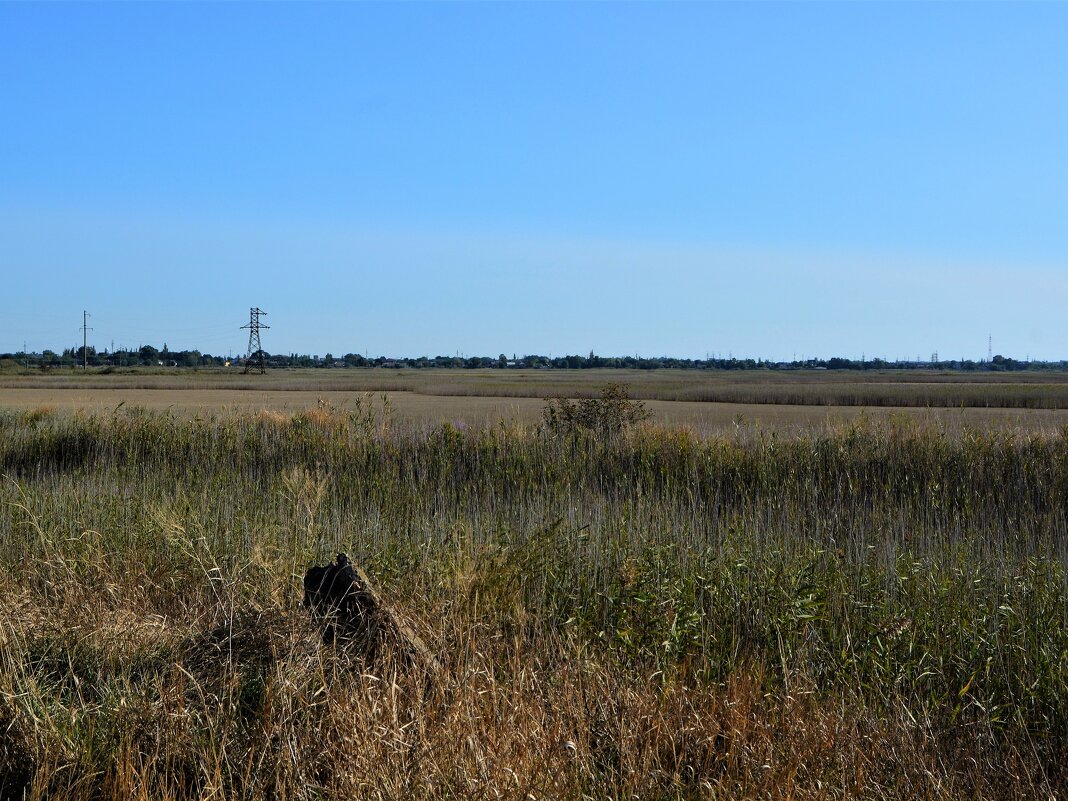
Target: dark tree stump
[(344, 601)]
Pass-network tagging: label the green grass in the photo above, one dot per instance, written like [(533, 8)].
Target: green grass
[(877, 610)]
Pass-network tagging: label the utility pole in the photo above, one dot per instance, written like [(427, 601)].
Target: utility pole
[(255, 351), (85, 339), (990, 348)]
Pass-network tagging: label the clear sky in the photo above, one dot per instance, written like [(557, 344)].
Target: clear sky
[(407, 179)]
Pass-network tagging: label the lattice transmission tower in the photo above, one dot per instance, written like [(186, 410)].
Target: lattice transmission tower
[(254, 359)]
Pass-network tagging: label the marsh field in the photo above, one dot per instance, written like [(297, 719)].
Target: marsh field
[(779, 586), (706, 401)]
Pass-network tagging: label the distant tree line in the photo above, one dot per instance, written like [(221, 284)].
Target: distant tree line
[(149, 356)]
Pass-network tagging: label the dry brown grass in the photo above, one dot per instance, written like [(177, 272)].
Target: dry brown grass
[(422, 410), (128, 691)]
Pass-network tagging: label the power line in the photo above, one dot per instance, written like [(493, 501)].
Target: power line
[(85, 339), (255, 351)]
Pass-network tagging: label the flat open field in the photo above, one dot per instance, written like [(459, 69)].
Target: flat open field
[(704, 401), (874, 611)]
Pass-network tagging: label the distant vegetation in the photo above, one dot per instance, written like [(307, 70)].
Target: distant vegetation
[(876, 611), (149, 356)]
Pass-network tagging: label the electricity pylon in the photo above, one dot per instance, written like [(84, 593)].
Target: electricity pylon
[(255, 351)]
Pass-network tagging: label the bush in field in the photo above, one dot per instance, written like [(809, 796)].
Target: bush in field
[(610, 414)]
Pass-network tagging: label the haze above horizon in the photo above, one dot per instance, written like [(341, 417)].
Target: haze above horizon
[(408, 179)]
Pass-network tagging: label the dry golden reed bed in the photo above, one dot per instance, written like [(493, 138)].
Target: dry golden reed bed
[(709, 402), (876, 610)]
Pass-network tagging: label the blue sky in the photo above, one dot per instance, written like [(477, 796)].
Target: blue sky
[(409, 179)]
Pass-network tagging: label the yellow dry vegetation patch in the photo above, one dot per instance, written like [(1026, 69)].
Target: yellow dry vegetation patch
[(271, 418)]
